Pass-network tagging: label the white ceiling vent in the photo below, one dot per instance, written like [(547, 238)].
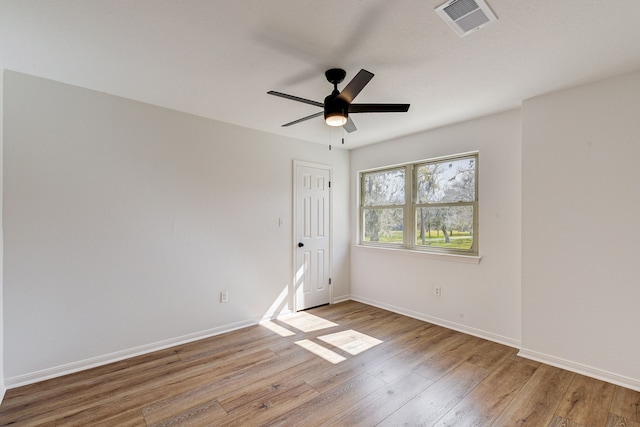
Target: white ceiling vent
[(466, 16)]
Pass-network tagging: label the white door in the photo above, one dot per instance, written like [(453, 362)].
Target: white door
[(312, 235)]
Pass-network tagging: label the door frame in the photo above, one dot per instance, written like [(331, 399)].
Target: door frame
[(294, 220)]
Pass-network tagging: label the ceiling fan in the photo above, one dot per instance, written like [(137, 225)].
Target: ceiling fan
[(338, 105)]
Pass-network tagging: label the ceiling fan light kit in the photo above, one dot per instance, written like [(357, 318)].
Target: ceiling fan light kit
[(336, 119), (338, 105)]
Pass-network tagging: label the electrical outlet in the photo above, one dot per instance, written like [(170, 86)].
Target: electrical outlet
[(224, 296), (437, 291)]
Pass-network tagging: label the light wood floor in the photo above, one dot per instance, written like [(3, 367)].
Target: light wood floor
[(347, 364)]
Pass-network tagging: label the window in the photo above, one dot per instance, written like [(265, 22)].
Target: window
[(429, 206), (383, 206)]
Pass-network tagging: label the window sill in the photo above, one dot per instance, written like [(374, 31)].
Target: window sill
[(466, 259)]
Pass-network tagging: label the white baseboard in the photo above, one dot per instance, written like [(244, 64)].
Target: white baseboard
[(579, 368), (343, 298), (58, 371), (441, 322), (3, 390)]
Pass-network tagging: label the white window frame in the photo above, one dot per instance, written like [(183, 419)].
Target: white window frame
[(407, 198), (410, 208)]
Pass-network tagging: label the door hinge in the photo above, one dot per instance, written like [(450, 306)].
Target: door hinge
[(329, 184), (329, 280)]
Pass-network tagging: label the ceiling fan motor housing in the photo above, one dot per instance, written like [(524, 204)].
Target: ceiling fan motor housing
[(336, 110)]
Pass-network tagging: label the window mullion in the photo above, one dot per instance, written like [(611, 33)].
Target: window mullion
[(408, 215)]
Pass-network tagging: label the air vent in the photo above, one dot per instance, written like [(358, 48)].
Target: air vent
[(466, 16)]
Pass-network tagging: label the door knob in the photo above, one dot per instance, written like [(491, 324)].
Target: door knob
[(300, 244)]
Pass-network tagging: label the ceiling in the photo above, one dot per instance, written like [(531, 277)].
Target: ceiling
[(218, 58)]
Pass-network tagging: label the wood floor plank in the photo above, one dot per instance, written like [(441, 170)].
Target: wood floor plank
[(247, 395), (218, 344), (131, 418), (174, 406), (256, 345), (200, 415), (417, 350), (485, 402), (105, 415), (587, 401), (338, 399), (618, 421), (563, 422), (259, 412), (446, 353), (491, 354), (626, 404), (385, 327), (382, 403), (434, 402), (538, 400), (268, 384), (144, 360)]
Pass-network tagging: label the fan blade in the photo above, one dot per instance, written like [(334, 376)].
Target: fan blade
[(303, 119), (350, 126), (355, 85), (296, 98), (379, 108)]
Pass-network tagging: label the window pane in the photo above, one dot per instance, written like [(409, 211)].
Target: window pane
[(450, 227), (384, 188), (382, 225), (447, 181)]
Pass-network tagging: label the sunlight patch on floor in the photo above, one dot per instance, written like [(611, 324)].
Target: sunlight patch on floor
[(307, 322), (274, 327), (318, 350), (353, 342)]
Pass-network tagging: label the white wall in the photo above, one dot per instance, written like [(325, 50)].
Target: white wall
[(580, 237), (123, 222), (482, 299)]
